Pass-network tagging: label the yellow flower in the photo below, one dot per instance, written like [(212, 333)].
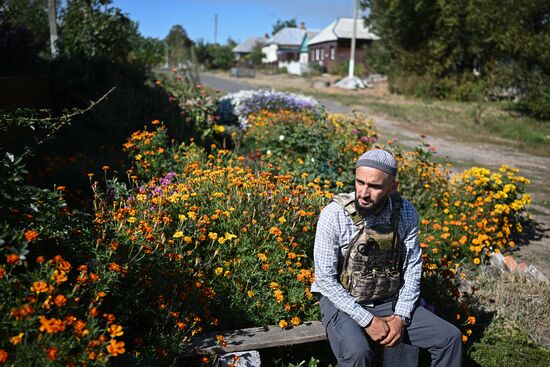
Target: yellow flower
[(218, 128), (132, 219), (477, 261), (213, 236), (178, 234), (218, 270), (115, 330), (250, 293), (283, 324), (273, 285), (282, 220), (295, 321), (17, 339)]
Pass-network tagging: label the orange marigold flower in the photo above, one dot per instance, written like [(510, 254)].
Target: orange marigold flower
[(92, 356), (205, 360), (471, 320), (60, 300), (93, 312), (21, 313), (105, 168), (115, 267), (40, 287), (3, 356), (61, 264), (80, 330), (60, 188), (155, 122), (115, 347), (59, 276), (30, 235), (115, 330), (2, 272), (52, 325), (109, 317), (40, 259), (52, 353), (295, 321), (12, 259)]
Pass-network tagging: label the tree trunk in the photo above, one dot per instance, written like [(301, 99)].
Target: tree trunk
[(52, 17)]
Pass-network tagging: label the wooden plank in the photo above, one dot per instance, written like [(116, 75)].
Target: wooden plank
[(256, 338)]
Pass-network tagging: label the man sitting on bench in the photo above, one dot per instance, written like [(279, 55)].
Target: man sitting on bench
[(368, 265)]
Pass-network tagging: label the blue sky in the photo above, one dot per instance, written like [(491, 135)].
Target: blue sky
[(238, 19)]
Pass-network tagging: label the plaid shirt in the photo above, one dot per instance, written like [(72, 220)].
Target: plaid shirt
[(335, 230)]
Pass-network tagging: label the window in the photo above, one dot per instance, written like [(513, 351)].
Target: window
[(322, 54), (317, 54), (332, 53)]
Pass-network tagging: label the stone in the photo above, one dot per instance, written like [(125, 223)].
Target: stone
[(497, 259), (510, 263), (247, 358), (536, 274)]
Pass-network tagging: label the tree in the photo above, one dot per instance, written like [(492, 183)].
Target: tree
[(222, 55), (202, 54), (148, 51), (256, 55), (291, 23), (496, 43), (93, 29), (24, 35), (178, 46)]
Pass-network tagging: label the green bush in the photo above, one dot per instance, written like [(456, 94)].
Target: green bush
[(341, 68)]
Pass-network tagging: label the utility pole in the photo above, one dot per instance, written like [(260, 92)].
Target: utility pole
[(52, 17), (216, 28), (352, 53)]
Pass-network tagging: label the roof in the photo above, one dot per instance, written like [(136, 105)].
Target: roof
[(248, 44), (343, 28), (288, 36)]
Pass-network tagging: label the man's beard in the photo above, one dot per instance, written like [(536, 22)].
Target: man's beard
[(373, 209)]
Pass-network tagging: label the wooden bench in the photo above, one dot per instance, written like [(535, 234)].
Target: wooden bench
[(245, 342)]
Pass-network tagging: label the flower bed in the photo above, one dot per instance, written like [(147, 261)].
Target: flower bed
[(235, 108), (212, 239)]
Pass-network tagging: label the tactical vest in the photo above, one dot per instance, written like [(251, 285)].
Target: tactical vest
[(372, 268)]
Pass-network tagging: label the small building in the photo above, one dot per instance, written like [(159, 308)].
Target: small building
[(245, 48), (304, 54), (333, 44), (284, 46)]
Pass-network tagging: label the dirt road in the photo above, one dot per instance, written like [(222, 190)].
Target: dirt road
[(536, 247)]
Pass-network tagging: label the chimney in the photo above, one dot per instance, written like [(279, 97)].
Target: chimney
[(302, 25)]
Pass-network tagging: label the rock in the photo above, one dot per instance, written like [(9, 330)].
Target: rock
[(249, 358), (498, 260), (535, 273), (510, 263), (320, 84)]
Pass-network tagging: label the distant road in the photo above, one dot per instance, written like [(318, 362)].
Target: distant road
[(235, 85)]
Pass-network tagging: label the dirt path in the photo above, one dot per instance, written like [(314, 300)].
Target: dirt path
[(536, 247)]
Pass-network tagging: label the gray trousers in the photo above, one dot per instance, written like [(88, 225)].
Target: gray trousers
[(351, 346)]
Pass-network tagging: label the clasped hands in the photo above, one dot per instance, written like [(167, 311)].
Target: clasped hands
[(385, 330)]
